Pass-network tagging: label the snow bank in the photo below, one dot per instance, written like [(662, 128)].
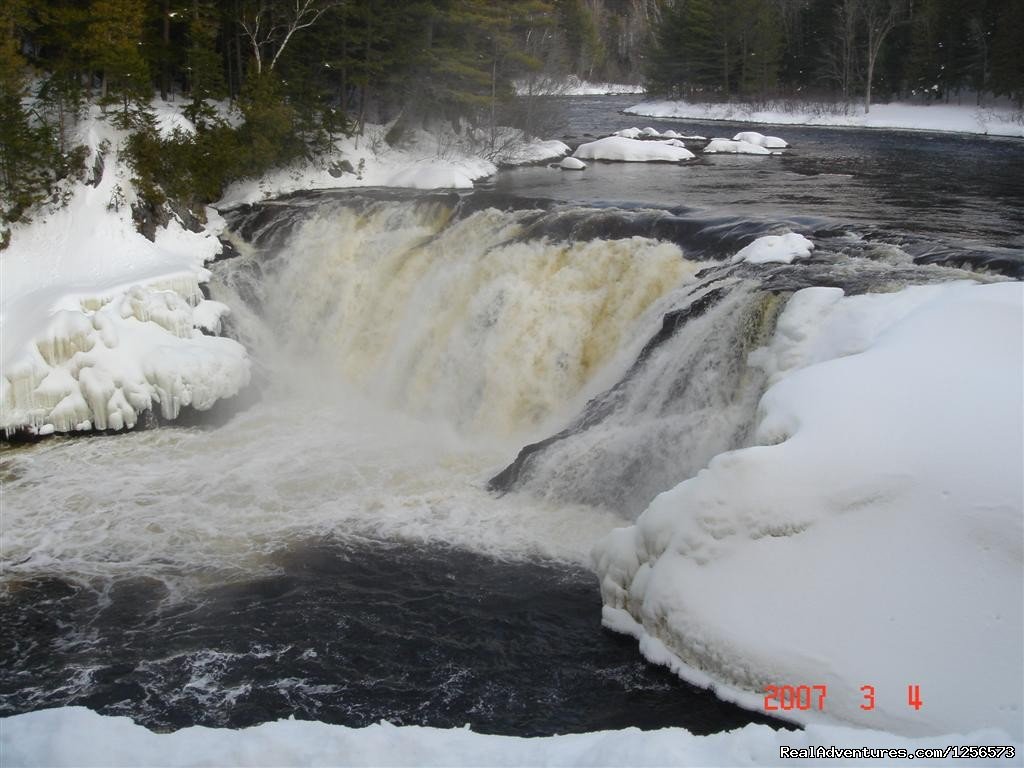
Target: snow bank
[(74, 736), (775, 248), (916, 117), (620, 148), (572, 86), (759, 139), (873, 534), (98, 323), (423, 161), (734, 147)]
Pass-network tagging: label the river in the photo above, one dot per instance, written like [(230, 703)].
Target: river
[(357, 540)]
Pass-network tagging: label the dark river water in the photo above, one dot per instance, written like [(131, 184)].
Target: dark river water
[(319, 558), (938, 191)]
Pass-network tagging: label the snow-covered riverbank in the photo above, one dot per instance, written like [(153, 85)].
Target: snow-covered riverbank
[(423, 160), (100, 324), (871, 535), (75, 736), (913, 117)]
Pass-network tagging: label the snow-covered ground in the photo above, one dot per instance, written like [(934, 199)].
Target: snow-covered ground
[(573, 86), (934, 117), (74, 736), (100, 324), (873, 534)]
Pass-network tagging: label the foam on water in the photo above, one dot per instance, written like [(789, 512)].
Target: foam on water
[(405, 359)]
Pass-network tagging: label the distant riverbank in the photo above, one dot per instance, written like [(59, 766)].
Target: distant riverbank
[(991, 121)]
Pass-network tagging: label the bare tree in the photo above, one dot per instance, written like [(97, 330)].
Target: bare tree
[(265, 29), (880, 18)]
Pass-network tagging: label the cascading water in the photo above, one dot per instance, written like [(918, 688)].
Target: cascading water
[(462, 321)]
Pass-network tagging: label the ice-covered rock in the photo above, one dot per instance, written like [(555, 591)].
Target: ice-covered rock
[(753, 137), (572, 164), (629, 133), (728, 146), (621, 149), (782, 249)]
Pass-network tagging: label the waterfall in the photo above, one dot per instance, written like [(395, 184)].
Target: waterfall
[(613, 342)]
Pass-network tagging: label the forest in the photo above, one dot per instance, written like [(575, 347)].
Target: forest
[(298, 73)]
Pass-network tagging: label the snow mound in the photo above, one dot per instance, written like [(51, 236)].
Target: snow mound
[(572, 164), (753, 137), (650, 132), (535, 152), (873, 535), (670, 134), (619, 148), (727, 146), (75, 736), (782, 249), (629, 133)]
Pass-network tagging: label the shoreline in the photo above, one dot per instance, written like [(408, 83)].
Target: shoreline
[(952, 121)]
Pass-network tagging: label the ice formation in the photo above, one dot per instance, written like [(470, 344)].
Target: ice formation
[(872, 535), (620, 148), (100, 366), (571, 164)]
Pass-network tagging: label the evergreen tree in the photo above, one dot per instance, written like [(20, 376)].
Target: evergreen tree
[(1008, 52), (204, 64), (26, 150), (112, 45)]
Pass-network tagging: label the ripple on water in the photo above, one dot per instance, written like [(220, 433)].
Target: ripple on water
[(348, 634)]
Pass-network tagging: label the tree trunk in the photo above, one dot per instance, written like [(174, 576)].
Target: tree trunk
[(871, 72), (165, 64), (725, 67)]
